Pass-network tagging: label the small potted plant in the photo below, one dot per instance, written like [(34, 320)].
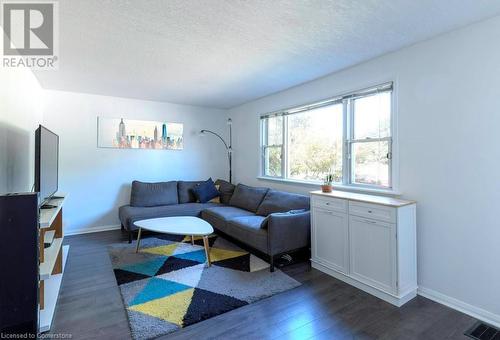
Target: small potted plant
[(327, 184)]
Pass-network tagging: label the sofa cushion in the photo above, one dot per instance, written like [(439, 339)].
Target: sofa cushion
[(280, 201), (128, 214), (226, 213), (247, 229), (205, 191), (248, 198), (184, 189), (226, 190), (219, 215), (153, 194)]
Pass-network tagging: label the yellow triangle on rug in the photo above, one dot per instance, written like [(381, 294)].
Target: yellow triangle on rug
[(217, 254), (171, 308), (166, 250)]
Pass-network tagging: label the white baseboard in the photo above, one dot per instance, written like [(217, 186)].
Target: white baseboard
[(396, 300), (91, 230), (475, 312)]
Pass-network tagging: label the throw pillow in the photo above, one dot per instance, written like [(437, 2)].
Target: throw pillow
[(205, 191), (226, 190), (248, 198), (216, 199), (265, 222), (185, 191), (280, 201)]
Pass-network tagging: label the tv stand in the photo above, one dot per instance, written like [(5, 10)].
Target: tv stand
[(52, 259)]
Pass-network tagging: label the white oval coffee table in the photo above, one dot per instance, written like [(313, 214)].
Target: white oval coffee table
[(178, 225)]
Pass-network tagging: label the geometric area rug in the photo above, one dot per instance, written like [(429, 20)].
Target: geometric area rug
[(168, 285)]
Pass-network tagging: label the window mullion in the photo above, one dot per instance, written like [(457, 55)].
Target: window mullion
[(265, 162), (266, 159), (351, 137), (284, 156), (263, 141), (389, 160), (348, 128)]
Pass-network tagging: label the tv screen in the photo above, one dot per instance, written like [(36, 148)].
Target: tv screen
[(46, 163)]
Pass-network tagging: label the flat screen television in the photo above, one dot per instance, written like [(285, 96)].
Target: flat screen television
[(46, 163)]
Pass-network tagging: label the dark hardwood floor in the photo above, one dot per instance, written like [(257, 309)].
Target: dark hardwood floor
[(90, 307)]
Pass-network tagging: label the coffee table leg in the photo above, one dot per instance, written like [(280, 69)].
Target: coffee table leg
[(192, 240), (207, 250), (138, 240)]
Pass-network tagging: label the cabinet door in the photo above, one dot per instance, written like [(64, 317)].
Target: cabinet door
[(372, 252), (330, 239)]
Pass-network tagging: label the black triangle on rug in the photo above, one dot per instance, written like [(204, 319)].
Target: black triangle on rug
[(124, 276), (174, 263), (205, 304)]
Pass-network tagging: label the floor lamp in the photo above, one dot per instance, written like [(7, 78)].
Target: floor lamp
[(228, 146)]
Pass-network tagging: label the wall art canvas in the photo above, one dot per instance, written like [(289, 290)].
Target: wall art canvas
[(138, 134)]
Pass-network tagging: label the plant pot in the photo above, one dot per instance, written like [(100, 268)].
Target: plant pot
[(326, 188)]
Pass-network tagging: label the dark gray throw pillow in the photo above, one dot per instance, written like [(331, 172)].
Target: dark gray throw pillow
[(226, 190), (280, 201), (153, 194), (265, 222), (185, 190), (248, 198)]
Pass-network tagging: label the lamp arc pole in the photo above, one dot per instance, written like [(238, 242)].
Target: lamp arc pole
[(228, 146)]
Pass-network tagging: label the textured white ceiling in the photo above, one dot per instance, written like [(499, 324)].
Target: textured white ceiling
[(222, 53)]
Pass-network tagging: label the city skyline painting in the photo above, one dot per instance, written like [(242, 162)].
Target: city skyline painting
[(124, 133)]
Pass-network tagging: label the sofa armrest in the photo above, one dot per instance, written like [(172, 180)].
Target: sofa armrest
[(123, 215), (288, 232)]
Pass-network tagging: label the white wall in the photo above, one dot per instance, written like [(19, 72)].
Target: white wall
[(21, 110), (98, 180), (449, 122)]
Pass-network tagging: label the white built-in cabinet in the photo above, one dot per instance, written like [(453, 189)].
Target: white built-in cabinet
[(330, 238), (367, 241)]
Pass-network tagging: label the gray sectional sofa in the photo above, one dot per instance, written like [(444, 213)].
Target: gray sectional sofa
[(269, 221)]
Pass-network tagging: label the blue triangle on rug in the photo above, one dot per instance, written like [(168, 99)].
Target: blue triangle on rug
[(157, 288), (146, 268), (197, 255)]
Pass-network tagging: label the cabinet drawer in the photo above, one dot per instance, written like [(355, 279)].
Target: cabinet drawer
[(335, 204), (375, 211)]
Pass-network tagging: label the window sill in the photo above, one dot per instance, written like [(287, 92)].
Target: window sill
[(341, 187)]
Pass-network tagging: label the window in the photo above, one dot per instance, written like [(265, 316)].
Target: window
[(273, 146), (349, 136)]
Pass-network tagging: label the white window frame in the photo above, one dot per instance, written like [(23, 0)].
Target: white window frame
[(348, 141), (264, 140)]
